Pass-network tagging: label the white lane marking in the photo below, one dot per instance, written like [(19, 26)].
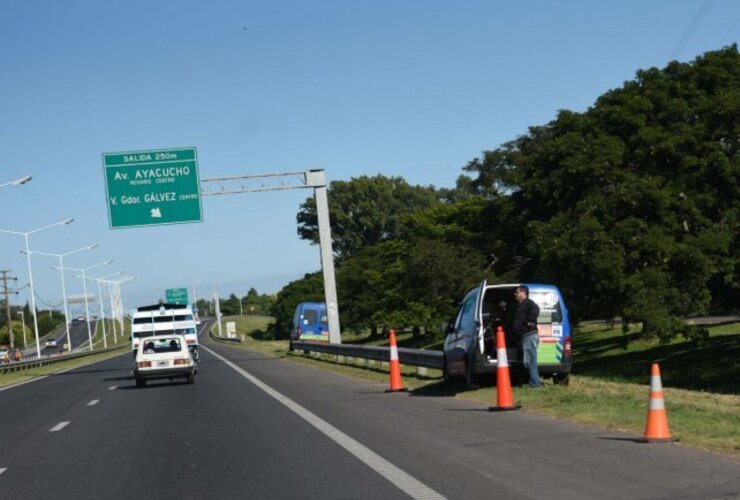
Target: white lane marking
[(23, 383), (112, 388), (3, 470), (59, 427), (93, 402), (402, 480)]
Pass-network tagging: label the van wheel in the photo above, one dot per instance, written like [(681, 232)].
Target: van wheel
[(471, 378), (561, 379), (140, 382), (445, 374)]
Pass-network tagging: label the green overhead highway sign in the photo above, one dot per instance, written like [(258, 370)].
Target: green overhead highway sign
[(177, 296), (146, 188)]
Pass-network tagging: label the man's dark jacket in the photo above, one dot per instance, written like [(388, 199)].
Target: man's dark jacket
[(525, 318)]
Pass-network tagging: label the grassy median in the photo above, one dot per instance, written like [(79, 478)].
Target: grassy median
[(609, 384)]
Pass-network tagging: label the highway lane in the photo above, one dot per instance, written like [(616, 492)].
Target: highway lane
[(219, 438), (463, 451), (224, 437), (77, 333)]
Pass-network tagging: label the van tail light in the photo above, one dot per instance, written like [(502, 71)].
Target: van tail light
[(144, 364), (566, 348), (181, 361), (190, 341)]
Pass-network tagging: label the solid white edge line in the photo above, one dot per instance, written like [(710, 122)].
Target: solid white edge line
[(402, 480), (59, 427), (93, 402)]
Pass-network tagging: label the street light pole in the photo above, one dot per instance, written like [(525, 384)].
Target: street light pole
[(30, 274), (18, 182), (192, 288), (238, 295), (100, 303), (23, 327), (118, 284), (84, 290), (61, 257)]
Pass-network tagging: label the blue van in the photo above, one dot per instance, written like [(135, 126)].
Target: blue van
[(470, 344), (310, 323)]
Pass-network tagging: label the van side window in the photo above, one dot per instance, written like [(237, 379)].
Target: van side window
[(467, 314), (549, 304)]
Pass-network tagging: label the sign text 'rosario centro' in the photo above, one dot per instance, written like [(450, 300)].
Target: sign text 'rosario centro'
[(147, 188)]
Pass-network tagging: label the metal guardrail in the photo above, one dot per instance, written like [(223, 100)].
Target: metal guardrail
[(406, 356), (49, 360)]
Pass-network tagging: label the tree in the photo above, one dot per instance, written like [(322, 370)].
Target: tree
[(364, 211), (631, 207)]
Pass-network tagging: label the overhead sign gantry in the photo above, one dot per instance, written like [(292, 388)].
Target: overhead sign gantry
[(154, 187)]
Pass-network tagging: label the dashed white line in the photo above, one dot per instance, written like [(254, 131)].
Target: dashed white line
[(93, 402), (112, 388), (2, 470), (401, 479), (59, 427)]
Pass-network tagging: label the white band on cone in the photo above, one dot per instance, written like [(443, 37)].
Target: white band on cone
[(501, 355), (657, 404), (394, 353), (655, 384)]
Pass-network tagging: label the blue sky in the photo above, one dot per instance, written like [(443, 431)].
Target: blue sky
[(400, 88)]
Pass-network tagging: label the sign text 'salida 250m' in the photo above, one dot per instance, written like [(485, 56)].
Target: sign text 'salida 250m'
[(152, 187)]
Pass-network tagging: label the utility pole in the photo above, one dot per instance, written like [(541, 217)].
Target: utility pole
[(7, 293)]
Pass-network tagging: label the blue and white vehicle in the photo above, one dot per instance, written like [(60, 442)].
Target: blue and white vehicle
[(164, 319), (470, 344)]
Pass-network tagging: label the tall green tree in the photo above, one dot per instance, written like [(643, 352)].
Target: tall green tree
[(365, 211), (631, 206)]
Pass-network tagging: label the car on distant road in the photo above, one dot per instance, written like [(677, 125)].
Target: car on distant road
[(51, 343), (164, 357), (4, 355), (80, 318)]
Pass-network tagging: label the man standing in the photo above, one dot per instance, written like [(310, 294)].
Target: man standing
[(525, 329)]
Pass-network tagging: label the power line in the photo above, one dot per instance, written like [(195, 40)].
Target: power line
[(729, 32), (698, 17)]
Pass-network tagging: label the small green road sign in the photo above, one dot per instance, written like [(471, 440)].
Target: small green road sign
[(146, 188), (177, 296)]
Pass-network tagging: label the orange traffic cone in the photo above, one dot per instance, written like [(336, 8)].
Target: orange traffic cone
[(505, 397), (656, 430), (396, 382)]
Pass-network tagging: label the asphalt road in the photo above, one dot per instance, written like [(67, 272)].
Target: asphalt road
[(276, 429)]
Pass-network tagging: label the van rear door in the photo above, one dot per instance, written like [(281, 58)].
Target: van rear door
[(479, 317)]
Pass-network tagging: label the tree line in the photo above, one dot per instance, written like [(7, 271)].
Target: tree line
[(630, 208)]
